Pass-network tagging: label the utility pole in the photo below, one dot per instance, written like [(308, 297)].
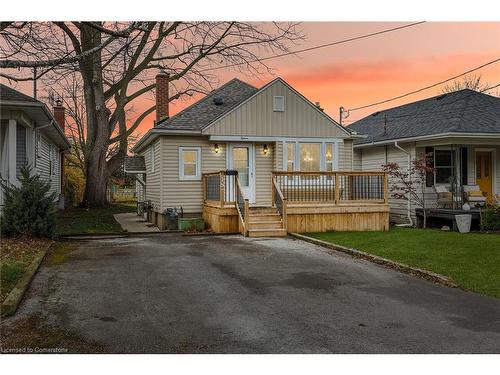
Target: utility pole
[(341, 114)]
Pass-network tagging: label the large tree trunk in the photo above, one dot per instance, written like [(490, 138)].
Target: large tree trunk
[(98, 131)]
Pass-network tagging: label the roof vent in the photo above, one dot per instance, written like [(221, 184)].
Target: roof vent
[(375, 114), (440, 97), (218, 100)]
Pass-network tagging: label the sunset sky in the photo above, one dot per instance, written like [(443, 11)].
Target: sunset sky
[(380, 67)]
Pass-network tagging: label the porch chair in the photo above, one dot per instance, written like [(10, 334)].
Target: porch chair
[(474, 196), (444, 196)]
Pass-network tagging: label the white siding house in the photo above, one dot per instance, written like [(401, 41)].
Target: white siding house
[(30, 135)]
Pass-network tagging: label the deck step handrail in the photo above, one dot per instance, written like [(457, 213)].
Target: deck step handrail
[(280, 202), (333, 187), (242, 205)]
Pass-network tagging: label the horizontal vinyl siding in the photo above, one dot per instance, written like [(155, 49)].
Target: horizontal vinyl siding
[(356, 160), (188, 194), (373, 158), (42, 165), (263, 175), (278, 156), (153, 179), (345, 155), (256, 117)]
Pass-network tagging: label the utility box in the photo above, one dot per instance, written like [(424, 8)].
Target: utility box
[(171, 218)]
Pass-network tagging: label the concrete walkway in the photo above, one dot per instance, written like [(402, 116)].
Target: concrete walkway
[(134, 224)]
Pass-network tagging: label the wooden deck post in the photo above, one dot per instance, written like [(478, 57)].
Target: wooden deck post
[(247, 210), (273, 193), (222, 184)]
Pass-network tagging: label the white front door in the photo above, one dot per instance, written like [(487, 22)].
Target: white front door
[(241, 158)]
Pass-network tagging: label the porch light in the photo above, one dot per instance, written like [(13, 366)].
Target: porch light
[(216, 148), (265, 149)]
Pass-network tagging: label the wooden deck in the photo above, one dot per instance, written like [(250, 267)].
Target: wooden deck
[(302, 202)]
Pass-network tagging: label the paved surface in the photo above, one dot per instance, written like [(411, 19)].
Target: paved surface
[(230, 294), (134, 224)]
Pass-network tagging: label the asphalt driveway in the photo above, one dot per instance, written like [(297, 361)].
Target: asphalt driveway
[(166, 293)]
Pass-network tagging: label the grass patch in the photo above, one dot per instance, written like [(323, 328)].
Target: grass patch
[(91, 221), (471, 260), (60, 253), (15, 257)]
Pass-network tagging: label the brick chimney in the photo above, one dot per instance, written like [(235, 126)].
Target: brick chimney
[(60, 114), (162, 95)]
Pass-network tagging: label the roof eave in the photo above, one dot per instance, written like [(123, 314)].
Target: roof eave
[(154, 133)]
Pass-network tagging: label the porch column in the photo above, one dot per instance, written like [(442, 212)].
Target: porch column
[(12, 151)]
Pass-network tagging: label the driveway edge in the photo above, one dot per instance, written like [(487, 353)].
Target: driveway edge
[(423, 274), (11, 303)]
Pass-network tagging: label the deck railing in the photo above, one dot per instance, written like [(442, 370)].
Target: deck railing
[(332, 187), (280, 202)]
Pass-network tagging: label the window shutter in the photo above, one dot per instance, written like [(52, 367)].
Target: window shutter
[(429, 178)]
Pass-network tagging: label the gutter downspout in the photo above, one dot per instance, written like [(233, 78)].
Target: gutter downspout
[(408, 208)]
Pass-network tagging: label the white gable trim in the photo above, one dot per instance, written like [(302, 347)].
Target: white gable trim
[(265, 87)]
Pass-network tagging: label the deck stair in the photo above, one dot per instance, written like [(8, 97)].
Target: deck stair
[(265, 222)]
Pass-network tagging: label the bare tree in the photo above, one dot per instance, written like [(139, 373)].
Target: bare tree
[(472, 82), (114, 64)]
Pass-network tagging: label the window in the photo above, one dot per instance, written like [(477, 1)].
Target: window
[(444, 162), (329, 157), (189, 163), (21, 158), (290, 163), (152, 156), (279, 104), (309, 157)]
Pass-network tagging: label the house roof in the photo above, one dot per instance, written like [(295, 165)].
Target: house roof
[(135, 164), (203, 112), (9, 94), (36, 111), (465, 111)]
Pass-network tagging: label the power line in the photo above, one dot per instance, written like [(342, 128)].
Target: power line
[(426, 87), (418, 112), (316, 47)]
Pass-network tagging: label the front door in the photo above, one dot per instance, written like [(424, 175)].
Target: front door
[(241, 158), (484, 172)]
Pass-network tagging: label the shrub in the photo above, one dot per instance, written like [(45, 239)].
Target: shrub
[(491, 219), (28, 209)]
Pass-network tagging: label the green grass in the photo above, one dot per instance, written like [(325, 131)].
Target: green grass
[(472, 260), (91, 221), (11, 273)]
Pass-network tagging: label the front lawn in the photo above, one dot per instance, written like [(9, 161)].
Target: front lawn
[(16, 255), (472, 260), (91, 221)]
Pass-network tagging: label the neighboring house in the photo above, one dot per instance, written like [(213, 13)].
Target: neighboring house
[(285, 149), (31, 135), (460, 131)]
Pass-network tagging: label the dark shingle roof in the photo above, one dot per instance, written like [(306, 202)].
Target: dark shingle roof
[(464, 111), (9, 94), (204, 111), (135, 164)]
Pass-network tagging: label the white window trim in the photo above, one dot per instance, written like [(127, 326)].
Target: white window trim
[(322, 161), (182, 177), (152, 156), (457, 171), (275, 107)]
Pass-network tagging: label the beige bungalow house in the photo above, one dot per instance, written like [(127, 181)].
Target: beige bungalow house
[(30, 134), (459, 131), (259, 161)]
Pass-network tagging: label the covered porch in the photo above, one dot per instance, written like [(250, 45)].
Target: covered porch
[(301, 202)]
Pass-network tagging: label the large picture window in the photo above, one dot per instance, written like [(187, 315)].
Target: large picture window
[(189, 163), (310, 157), (444, 163)]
